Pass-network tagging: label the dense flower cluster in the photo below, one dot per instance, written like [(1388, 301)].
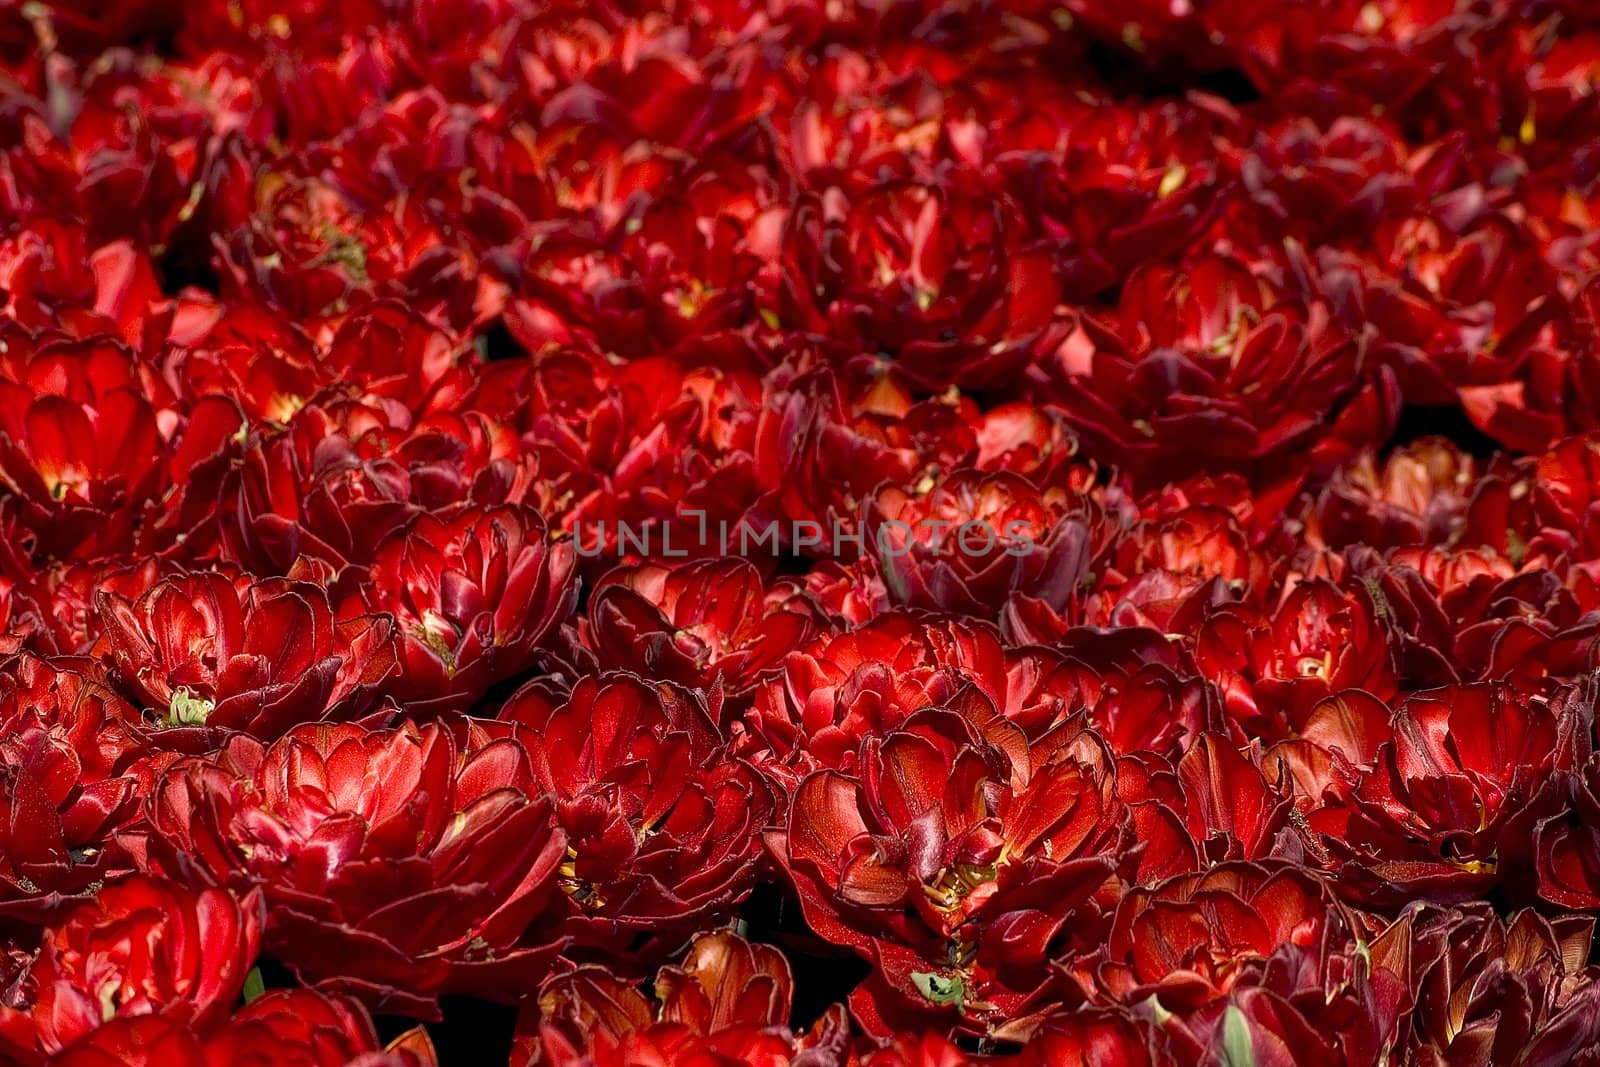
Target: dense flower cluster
[(877, 533)]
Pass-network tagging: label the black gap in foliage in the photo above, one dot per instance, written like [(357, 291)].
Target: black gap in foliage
[(984, 1046), (1127, 74), (1231, 85), (1447, 421), (824, 974), (275, 975), (187, 265), (491, 703), (795, 565), (495, 343), (473, 1031)]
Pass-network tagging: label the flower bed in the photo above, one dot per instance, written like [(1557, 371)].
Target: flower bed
[(885, 533)]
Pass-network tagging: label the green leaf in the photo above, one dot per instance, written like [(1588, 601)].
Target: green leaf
[(254, 985), (1238, 1050), (939, 989)]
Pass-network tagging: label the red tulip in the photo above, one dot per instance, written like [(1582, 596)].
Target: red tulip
[(1493, 991), (1415, 497), (203, 650), (911, 1049), (67, 742), (1219, 364), (1272, 668), (304, 246), (1550, 848), (474, 594), (817, 462), (975, 539), (1140, 689), (295, 1028), (849, 594), (135, 1041), (67, 620), (956, 868), (661, 822), (1096, 1037), (842, 689), (1479, 320), (649, 460), (1258, 956), (935, 276), (397, 863), (141, 947), (83, 460), (697, 623), (728, 1003), (300, 1028), (339, 479), (1428, 819)]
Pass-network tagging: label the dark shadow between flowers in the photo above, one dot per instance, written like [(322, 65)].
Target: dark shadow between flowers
[(824, 974), (495, 343), (1126, 74), (187, 265), (1446, 420), (473, 1031)]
